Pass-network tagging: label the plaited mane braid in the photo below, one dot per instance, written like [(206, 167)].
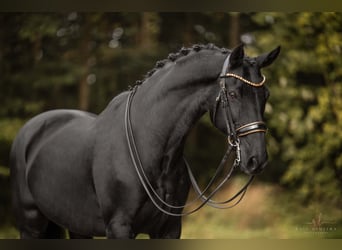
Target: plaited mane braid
[(181, 53)]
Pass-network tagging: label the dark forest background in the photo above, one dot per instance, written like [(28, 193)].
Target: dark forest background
[(82, 60)]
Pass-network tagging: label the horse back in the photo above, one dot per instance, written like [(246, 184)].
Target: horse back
[(43, 126)]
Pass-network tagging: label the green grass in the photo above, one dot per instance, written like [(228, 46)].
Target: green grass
[(8, 232), (4, 171), (266, 212)]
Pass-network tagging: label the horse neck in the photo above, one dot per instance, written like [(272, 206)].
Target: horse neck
[(169, 104)]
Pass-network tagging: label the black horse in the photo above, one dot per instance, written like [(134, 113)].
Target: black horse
[(73, 170)]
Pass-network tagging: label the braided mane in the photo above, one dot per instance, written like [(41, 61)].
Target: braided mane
[(181, 53)]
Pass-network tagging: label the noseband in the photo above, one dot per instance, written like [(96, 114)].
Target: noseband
[(233, 140)]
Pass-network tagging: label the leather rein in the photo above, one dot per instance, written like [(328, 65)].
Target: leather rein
[(233, 143)]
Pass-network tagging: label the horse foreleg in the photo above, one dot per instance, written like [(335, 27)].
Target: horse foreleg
[(119, 229), (171, 230), (51, 231)]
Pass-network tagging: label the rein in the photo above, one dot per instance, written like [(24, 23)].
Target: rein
[(147, 184), (233, 140)]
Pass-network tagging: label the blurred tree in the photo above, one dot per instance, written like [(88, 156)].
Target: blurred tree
[(305, 111), (234, 30), (82, 60), (149, 30)]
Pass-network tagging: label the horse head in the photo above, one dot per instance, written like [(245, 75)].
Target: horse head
[(240, 106)]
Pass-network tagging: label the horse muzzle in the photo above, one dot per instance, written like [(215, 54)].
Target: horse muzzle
[(253, 166)]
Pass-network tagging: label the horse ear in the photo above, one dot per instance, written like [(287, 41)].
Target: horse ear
[(236, 57), (266, 59)]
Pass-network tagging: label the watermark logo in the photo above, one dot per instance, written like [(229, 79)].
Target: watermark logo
[(318, 225)]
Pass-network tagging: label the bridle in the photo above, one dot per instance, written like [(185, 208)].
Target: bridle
[(233, 140), (246, 129)]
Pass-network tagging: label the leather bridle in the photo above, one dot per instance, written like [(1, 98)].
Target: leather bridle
[(233, 140), (246, 129)]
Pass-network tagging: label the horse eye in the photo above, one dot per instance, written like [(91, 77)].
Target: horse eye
[(232, 94)]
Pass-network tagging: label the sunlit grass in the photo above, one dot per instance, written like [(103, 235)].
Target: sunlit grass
[(8, 232), (267, 211), (4, 171)]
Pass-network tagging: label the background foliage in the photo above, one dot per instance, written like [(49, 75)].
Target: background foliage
[(82, 60)]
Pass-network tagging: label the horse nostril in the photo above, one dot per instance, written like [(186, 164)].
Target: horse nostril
[(253, 166), (252, 163)]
